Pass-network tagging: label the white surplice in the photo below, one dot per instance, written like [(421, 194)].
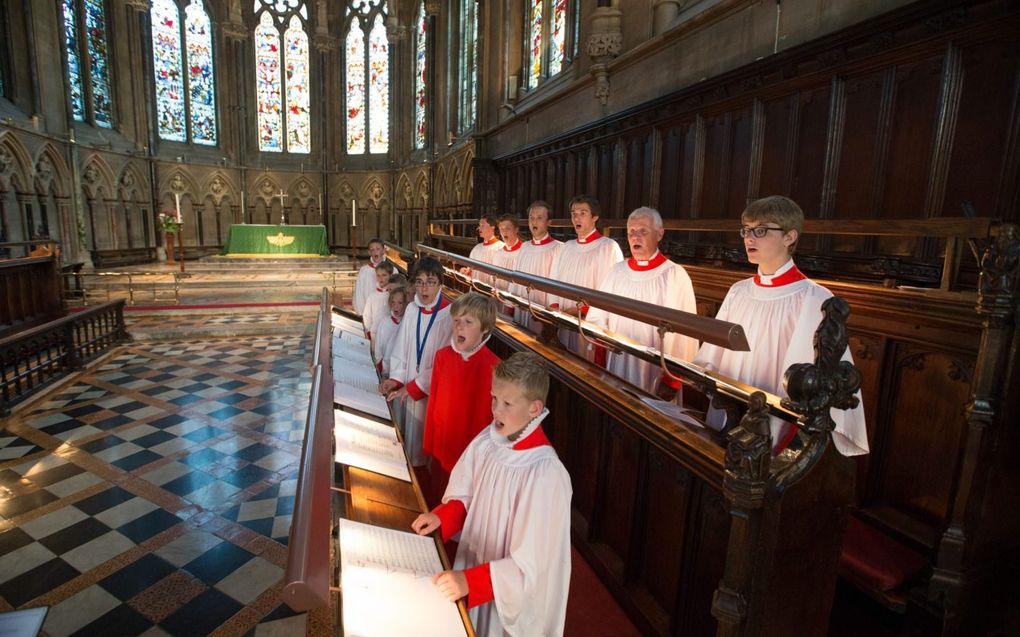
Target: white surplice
[(376, 309), (486, 253), (518, 520), (780, 324), (405, 367), (660, 282), (507, 259), (383, 339), (582, 262), (364, 285), (536, 258)]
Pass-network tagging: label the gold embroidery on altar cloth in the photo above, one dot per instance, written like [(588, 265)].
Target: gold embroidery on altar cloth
[(280, 240)]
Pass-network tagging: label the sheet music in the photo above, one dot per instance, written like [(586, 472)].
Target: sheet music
[(349, 352), (369, 445), (380, 566), (356, 375), (348, 325), (352, 339), (370, 403), (674, 411)]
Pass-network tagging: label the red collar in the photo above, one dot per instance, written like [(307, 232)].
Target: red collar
[(438, 306), (786, 278), (395, 320), (535, 439), (650, 264), (490, 241), (379, 290), (548, 239), (517, 246), (594, 236)]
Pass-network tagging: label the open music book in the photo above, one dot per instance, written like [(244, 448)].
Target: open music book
[(369, 445), (355, 374), (386, 584), (367, 402), (347, 325)]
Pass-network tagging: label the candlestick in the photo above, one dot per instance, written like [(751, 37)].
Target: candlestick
[(244, 216), (354, 212), (322, 215)]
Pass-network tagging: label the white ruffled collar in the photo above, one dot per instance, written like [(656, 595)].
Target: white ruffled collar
[(468, 354), (502, 441)]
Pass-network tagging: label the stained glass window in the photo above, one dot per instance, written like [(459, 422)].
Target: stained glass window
[(299, 123), (535, 43), (379, 87), (367, 78), (95, 25), (468, 63), (74, 76), (282, 76), (268, 85), (419, 77), (88, 61), (355, 88), (546, 23), (201, 79), (166, 64)]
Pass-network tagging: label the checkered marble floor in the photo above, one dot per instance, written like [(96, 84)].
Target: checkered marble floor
[(153, 493)]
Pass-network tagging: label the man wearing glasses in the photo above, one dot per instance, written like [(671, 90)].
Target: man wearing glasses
[(425, 329), (779, 309)]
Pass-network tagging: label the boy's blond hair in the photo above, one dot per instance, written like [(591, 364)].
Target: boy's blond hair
[(777, 209), (397, 291), (477, 306), (527, 371)]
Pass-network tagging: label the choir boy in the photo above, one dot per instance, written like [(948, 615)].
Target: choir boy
[(508, 256), (537, 256), (650, 277), (375, 303), (365, 282), (425, 329), (459, 397), (486, 250), (779, 309), (509, 498), (585, 262), (386, 329)]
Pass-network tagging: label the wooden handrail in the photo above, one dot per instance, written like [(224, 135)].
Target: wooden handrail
[(307, 577), (944, 227), (709, 330)]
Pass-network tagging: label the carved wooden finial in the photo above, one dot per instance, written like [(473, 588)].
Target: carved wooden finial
[(829, 382)]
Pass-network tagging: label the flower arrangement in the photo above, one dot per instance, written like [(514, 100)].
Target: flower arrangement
[(168, 222)]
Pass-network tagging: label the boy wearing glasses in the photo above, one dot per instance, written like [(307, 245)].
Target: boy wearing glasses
[(424, 330), (779, 309), (650, 277)]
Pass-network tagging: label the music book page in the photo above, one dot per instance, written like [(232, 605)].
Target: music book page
[(674, 411), (348, 325), (356, 375), (386, 584), (346, 355), (369, 445), (353, 339), (370, 403)]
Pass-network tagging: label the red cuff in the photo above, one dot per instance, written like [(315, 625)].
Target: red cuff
[(479, 581), (601, 356), (378, 366), (584, 310), (554, 306), (452, 514), (669, 381), (414, 391)]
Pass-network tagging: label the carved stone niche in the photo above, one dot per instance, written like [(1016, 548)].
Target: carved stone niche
[(604, 44)]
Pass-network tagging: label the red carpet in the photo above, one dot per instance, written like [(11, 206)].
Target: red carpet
[(217, 306), (591, 609)]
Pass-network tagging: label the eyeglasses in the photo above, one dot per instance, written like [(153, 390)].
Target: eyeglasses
[(759, 232), (431, 283)]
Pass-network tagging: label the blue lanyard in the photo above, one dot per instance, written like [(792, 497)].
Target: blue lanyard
[(420, 344)]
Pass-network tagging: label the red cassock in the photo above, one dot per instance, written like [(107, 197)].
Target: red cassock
[(460, 402)]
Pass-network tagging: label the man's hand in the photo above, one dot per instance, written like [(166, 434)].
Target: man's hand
[(452, 584), (425, 523), (397, 394)]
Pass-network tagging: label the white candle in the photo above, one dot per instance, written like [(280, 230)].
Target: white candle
[(244, 218), (354, 212), (322, 215), (177, 206)]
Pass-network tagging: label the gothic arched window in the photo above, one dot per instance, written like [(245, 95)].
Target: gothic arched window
[(88, 63), (420, 42), (367, 78), (468, 64), (282, 76), (546, 29), (179, 93)]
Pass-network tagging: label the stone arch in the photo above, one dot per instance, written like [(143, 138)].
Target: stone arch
[(467, 175), (220, 186), (181, 182), (15, 163), (421, 192), (266, 207), (303, 202), (439, 193), (51, 172), (134, 222), (97, 179)]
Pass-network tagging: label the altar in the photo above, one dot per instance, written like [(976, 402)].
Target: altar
[(259, 240)]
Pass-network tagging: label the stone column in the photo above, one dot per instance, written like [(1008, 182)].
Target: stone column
[(604, 44), (664, 12)]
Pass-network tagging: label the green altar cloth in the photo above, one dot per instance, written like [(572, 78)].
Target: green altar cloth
[(251, 239)]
